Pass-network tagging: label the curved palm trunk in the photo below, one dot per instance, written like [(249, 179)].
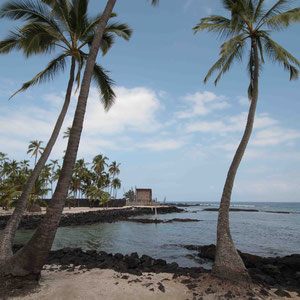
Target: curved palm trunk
[(31, 258), (228, 263), (9, 232)]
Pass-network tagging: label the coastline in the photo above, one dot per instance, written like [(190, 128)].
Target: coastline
[(86, 216), (111, 285)]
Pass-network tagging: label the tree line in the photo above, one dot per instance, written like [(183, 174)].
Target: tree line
[(96, 181), (64, 24)]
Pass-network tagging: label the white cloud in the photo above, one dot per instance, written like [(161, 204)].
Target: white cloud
[(201, 104), (162, 145), (235, 123), (279, 188), (135, 109), (244, 101), (274, 136)]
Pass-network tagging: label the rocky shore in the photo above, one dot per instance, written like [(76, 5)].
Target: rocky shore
[(279, 275), (69, 258), (91, 217), (279, 272)]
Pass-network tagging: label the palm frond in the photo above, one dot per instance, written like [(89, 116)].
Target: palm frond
[(37, 38), (56, 65), (284, 19), (121, 30), (218, 24), (12, 41), (33, 11), (78, 18), (228, 4), (278, 54), (104, 84), (277, 8), (28, 10), (154, 2), (259, 10), (230, 50), (237, 53)]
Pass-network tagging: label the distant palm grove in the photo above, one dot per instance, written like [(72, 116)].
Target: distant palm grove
[(96, 181)]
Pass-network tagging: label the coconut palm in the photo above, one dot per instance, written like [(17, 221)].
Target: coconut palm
[(31, 258), (35, 148), (99, 163), (114, 170), (65, 26), (116, 184), (249, 22)]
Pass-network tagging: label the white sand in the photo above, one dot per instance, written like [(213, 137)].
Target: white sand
[(74, 210), (109, 285)]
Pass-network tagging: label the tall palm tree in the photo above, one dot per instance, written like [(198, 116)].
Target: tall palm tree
[(35, 148), (116, 184), (114, 170), (249, 22), (65, 26), (31, 258)]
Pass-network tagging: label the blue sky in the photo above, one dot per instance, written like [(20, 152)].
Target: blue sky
[(169, 131)]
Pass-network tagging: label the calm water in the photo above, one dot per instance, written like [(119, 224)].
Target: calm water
[(260, 233)]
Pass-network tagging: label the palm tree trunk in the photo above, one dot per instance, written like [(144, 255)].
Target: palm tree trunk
[(31, 258), (9, 232), (228, 263)]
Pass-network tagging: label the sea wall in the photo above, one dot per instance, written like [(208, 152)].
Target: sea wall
[(90, 217)]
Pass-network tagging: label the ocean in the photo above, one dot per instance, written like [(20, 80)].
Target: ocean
[(261, 233)]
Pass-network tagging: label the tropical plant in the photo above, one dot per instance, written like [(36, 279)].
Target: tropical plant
[(58, 24), (113, 170), (249, 22), (116, 184), (23, 262), (35, 148)]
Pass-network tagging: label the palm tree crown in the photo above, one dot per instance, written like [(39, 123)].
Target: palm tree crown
[(64, 25), (249, 20)]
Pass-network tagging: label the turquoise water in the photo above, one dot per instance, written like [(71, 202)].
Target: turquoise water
[(261, 233)]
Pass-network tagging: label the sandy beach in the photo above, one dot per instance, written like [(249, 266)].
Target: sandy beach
[(111, 285)]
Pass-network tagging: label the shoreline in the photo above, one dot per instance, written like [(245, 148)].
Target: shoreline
[(111, 285), (87, 216), (108, 284), (280, 272)]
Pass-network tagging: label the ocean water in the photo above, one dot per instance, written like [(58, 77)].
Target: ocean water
[(261, 233)]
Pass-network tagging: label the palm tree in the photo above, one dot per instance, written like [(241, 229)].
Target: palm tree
[(64, 25), (116, 184), (114, 170), (31, 258), (35, 148), (249, 22), (99, 163)]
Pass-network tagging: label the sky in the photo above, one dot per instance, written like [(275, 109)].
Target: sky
[(169, 130)]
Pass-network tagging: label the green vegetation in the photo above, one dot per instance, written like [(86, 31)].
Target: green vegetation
[(93, 181)]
